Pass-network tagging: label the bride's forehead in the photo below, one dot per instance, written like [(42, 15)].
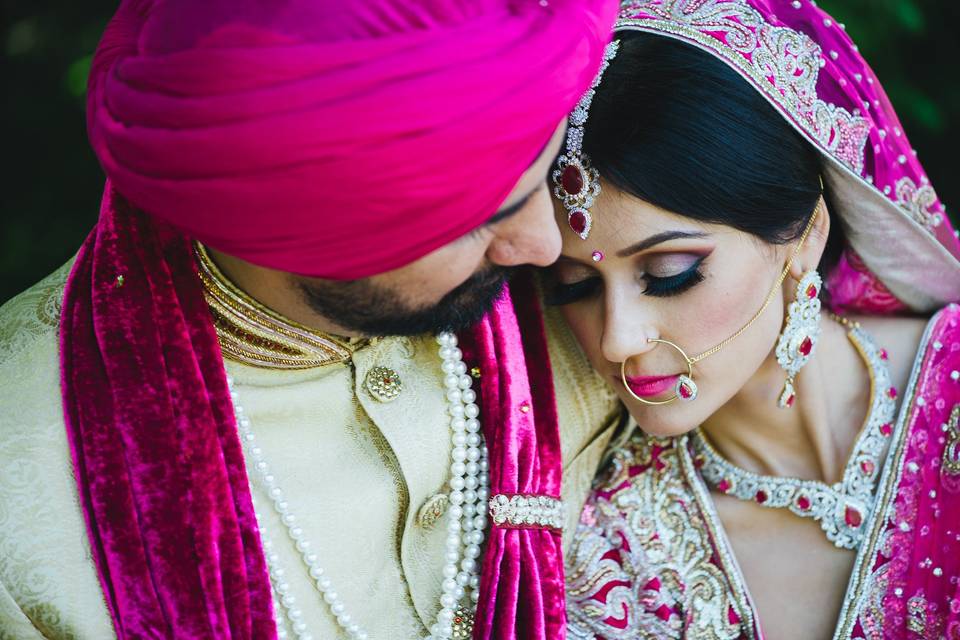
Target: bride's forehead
[(622, 213)]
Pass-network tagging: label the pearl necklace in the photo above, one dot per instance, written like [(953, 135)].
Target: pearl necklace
[(843, 508), (469, 492)]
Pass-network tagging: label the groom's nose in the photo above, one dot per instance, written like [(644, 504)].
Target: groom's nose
[(530, 236)]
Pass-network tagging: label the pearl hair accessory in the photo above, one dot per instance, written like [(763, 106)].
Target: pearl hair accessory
[(469, 492)]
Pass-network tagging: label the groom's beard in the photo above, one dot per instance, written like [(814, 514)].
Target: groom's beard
[(363, 307)]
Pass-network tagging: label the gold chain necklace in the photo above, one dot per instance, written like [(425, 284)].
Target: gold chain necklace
[(842, 508)]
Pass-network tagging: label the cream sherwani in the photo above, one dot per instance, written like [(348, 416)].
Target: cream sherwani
[(357, 472)]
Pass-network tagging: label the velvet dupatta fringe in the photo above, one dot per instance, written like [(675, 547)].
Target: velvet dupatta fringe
[(160, 469)]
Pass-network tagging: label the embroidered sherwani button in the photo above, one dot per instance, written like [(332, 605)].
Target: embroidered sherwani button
[(383, 384), (432, 510)]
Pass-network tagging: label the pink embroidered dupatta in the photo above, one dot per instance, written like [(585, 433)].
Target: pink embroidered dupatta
[(906, 582)]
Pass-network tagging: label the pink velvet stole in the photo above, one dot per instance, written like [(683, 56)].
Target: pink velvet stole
[(521, 586), (157, 458), (918, 569)]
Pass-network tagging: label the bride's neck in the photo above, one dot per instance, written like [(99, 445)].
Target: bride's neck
[(813, 439)]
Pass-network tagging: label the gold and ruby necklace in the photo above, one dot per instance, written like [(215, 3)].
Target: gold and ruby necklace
[(842, 508)]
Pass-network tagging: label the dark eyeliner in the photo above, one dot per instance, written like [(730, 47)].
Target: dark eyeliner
[(674, 285), (561, 294)]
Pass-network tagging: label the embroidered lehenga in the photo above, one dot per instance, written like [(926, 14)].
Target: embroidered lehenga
[(650, 558)]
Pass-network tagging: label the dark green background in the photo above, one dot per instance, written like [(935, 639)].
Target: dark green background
[(52, 182)]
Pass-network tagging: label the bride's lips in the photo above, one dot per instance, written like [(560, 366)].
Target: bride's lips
[(647, 386)]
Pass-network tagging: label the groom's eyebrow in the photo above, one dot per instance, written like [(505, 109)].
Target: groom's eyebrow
[(506, 212)]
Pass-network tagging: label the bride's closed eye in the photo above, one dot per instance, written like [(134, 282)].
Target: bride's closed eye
[(669, 275), (680, 273)]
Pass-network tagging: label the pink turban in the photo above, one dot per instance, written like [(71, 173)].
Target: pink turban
[(335, 140)]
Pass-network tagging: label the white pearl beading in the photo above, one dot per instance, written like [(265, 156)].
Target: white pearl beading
[(527, 511), (469, 489)]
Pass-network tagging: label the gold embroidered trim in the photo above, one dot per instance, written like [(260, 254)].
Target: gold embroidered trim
[(740, 597), (951, 452), (253, 334), (783, 64), (918, 201), (667, 585)]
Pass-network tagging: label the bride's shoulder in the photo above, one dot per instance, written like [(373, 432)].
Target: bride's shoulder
[(901, 336)]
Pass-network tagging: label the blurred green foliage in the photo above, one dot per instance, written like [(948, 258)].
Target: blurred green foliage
[(53, 182)]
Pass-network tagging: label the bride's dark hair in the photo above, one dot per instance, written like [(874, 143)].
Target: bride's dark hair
[(678, 128)]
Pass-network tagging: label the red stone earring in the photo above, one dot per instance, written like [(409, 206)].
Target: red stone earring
[(799, 337)]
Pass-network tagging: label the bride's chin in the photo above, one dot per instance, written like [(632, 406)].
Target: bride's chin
[(657, 421)]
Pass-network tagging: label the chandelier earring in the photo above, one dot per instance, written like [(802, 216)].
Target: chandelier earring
[(800, 334)]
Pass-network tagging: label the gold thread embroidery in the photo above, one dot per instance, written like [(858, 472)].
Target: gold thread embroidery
[(918, 202), (666, 585), (715, 528), (32, 314), (951, 452), (784, 64), (917, 615)]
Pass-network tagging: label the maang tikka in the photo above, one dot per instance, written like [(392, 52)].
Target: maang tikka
[(576, 182)]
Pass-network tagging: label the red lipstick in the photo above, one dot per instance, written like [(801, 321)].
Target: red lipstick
[(648, 386)]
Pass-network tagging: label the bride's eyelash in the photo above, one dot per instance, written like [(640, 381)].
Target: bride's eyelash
[(562, 294), (676, 284)]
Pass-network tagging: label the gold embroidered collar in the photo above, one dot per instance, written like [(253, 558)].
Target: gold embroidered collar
[(252, 334)]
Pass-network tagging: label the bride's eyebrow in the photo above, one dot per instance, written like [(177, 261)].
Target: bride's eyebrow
[(659, 238)]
